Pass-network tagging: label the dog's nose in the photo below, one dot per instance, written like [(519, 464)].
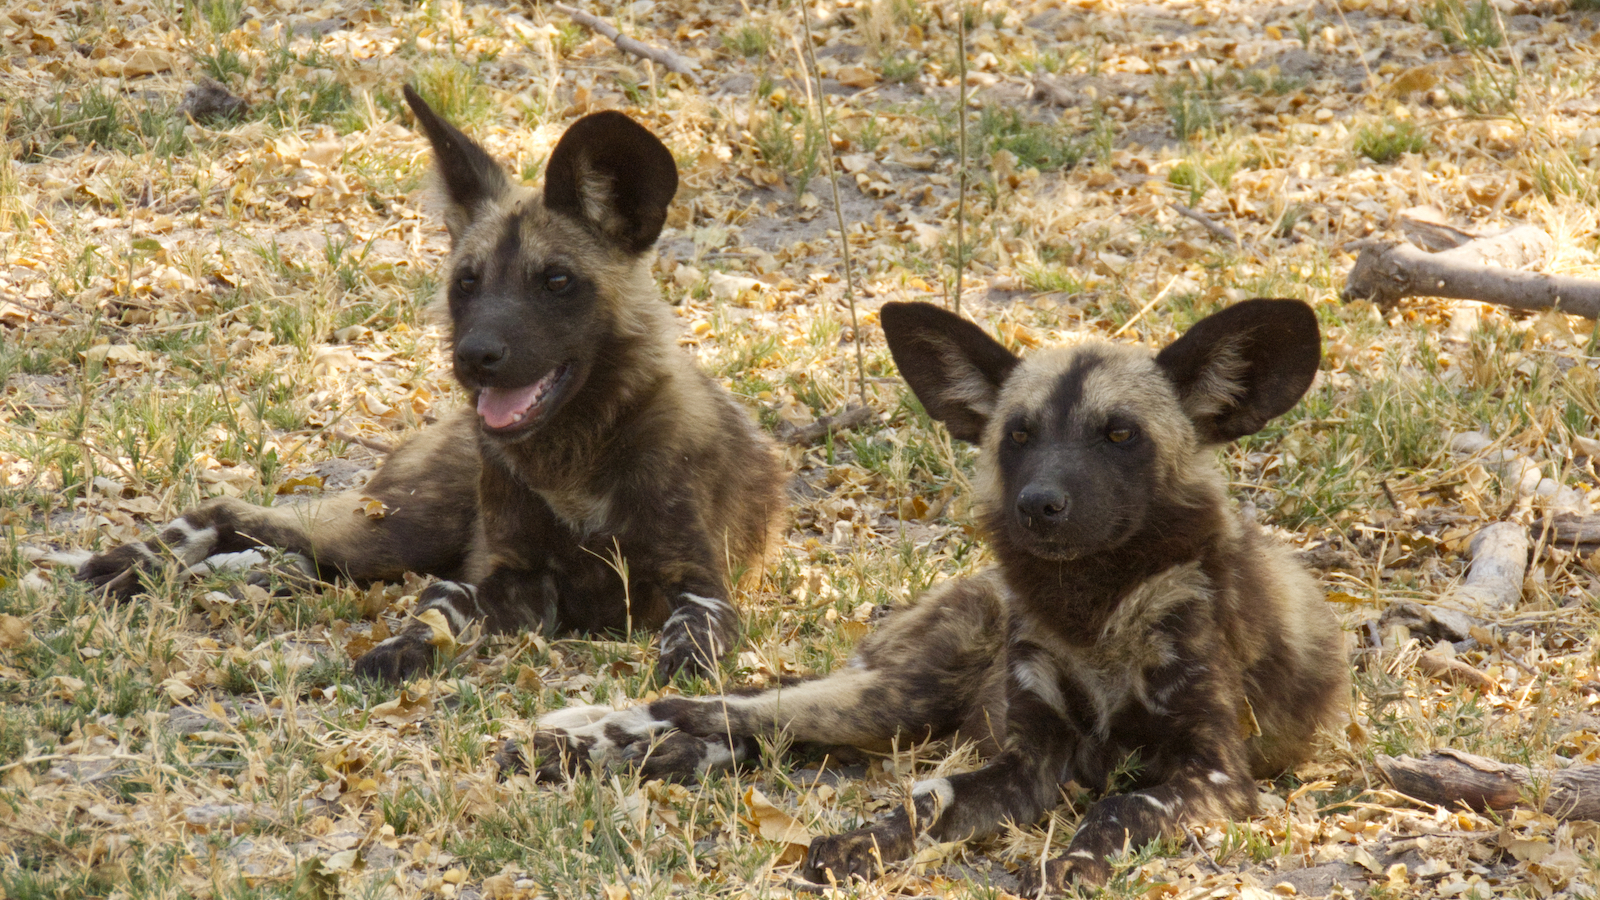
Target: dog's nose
[(1041, 507), (480, 352)]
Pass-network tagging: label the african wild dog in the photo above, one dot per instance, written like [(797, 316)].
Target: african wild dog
[(594, 435), (1134, 619)]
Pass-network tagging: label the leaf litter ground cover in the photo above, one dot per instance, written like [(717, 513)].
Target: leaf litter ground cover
[(202, 296)]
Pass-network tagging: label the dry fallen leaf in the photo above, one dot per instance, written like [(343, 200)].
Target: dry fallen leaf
[(440, 635), (773, 824), (404, 709), (13, 632)]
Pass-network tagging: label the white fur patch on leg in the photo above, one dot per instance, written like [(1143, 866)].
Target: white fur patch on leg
[(1158, 804), (73, 558), (715, 755), (242, 561), (675, 633), (944, 794), (457, 601), (187, 543), (1040, 680), (569, 717), (615, 735)]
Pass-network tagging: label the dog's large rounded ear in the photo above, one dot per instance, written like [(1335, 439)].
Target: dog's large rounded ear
[(1238, 369), (613, 174), (470, 176), (954, 368)]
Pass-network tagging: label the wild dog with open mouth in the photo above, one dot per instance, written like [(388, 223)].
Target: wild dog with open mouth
[(593, 436), (1134, 620)]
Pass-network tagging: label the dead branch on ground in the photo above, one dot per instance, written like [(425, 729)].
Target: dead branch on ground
[(1488, 268), (672, 61), (803, 435), (1451, 778)]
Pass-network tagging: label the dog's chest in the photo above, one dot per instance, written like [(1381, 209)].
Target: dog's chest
[(585, 512), (1134, 661)]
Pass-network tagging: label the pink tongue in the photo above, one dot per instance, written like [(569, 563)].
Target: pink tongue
[(500, 408)]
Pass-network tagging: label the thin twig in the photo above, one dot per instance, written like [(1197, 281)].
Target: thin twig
[(65, 125), (961, 120), (34, 760), (1050, 833), (34, 309), (353, 438), (672, 61), (1147, 307), (838, 203), (1205, 220), (1194, 843), (803, 435)]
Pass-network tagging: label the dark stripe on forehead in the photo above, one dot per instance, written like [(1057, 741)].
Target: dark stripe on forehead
[(507, 255), (1069, 387)]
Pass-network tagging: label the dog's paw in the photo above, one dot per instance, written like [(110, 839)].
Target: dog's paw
[(696, 636), (116, 572), (396, 659), (855, 854), (556, 756), (685, 660), (1078, 867), (508, 760)]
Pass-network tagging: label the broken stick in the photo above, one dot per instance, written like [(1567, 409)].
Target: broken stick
[(1487, 269), (672, 61), (1206, 222), (1452, 778), (803, 435), (1569, 531)]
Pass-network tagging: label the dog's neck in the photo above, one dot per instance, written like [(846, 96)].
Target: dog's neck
[(1075, 598)]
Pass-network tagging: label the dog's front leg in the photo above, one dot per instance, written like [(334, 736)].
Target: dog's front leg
[(702, 628), (413, 650), (1202, 789), (508, 600), (1197, 771), (1016, 786)]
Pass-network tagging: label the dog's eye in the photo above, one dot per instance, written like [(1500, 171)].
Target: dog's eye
[(1019, 436), (467, 282), (556, 282), (1119, 435)]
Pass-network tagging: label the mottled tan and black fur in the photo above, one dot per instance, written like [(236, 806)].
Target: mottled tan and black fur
[(1135, 621), (594, 440)]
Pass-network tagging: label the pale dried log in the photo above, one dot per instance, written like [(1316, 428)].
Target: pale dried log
[(1521, 474), (672, 61), (1386, 273), (803, 435), (1499, 564), (1493, 583), (1453, 778)]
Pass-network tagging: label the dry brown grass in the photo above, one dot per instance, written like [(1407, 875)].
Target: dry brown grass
[(193, 309)]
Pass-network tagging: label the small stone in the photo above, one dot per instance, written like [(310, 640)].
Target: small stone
[(209, 101)]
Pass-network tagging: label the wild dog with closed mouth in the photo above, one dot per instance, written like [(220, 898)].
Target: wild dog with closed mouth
[(593, 434), (1134, 620)]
